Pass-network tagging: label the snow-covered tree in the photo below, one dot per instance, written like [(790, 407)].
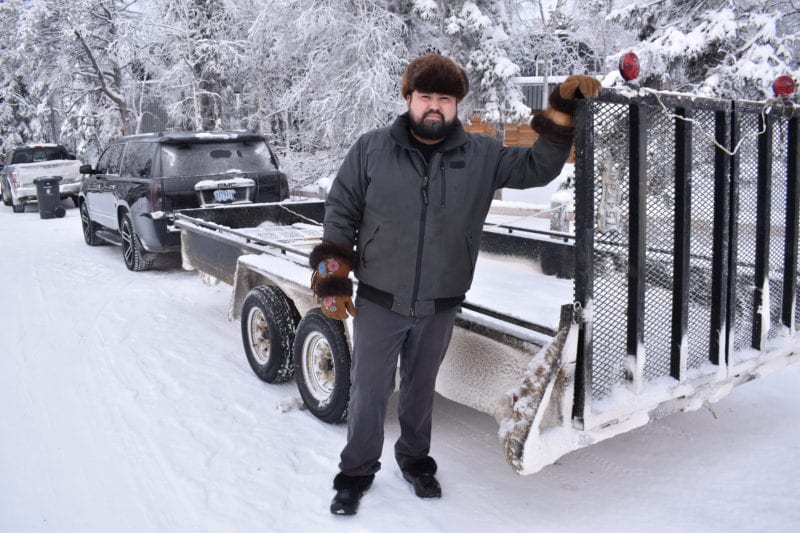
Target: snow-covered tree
[(200, 49), (713, 47), (478, 37)]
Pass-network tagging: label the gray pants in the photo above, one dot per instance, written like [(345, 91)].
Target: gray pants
[(380, 335)]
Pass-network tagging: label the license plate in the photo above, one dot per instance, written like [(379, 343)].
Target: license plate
[(222, 196)]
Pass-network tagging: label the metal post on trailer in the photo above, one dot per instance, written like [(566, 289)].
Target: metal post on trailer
[(683, 211), (788, 311), (637, 224), (719, 264), (584, 250), (733, 230), (763, 210)]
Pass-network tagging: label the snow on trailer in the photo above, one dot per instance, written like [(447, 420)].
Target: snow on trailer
[(677, 283)]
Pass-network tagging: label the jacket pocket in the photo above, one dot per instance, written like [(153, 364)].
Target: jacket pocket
[(367, 244)]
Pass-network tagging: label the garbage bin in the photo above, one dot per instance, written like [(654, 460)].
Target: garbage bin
[(48, 195)]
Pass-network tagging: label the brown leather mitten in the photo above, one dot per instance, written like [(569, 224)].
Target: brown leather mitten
[(337, 307), (577, 86), (556, 122), (330, 281)]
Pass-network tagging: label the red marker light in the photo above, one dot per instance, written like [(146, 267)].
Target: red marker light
[(629, 66), (783, 86)]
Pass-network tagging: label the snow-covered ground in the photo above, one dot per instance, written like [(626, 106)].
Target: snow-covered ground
[(127, 404)]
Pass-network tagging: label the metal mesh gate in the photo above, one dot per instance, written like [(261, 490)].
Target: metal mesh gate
[(745, 185), (610, 255), (675, 238)]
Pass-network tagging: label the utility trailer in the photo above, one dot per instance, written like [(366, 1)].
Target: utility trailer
[(678, 282)]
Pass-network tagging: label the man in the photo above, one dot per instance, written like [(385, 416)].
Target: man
[(405, 214)]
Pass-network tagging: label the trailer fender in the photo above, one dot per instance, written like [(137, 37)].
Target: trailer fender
[(247, 278)]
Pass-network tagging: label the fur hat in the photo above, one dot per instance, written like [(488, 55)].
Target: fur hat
[(435, 73)]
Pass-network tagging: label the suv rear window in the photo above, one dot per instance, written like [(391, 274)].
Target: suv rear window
[(34, 155), (204, 159)]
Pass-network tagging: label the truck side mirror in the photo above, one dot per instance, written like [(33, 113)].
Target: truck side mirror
[(86, 169)]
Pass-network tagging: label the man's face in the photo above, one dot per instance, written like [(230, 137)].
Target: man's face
[(432, 115)]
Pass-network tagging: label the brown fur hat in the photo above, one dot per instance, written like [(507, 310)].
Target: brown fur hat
[(435, 73)]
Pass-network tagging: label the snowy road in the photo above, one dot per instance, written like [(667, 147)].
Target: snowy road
[(127, 405)]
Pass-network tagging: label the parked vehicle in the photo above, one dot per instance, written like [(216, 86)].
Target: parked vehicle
[(684, 261), (129, 198), (26, 163)]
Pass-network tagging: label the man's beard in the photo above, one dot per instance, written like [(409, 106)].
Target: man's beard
[(433, 130)]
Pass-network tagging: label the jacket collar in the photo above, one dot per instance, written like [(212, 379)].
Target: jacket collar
[(401, 133)]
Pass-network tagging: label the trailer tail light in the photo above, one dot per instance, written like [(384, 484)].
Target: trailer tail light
[(783, 86), (629, 66), (154, 196), (15, 179)]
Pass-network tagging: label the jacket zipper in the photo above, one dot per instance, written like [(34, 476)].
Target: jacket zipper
[(422, 217), (444, 185)]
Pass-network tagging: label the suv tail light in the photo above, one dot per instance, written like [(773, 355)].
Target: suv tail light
[(15, 179), (154, 196)]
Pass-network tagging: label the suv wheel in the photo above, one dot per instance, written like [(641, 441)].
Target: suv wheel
[(133, 253), (89, 228), (6, 194)]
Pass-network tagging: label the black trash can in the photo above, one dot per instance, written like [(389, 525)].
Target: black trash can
[(48, 195)]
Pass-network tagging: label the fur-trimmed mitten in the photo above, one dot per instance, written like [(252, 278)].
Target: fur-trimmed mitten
[(330, 281), (556, 122)]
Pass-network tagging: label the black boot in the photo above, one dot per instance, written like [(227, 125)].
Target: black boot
[(349, 490), (420, 474)]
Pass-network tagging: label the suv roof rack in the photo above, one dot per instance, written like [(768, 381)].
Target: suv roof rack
[(195, 136)]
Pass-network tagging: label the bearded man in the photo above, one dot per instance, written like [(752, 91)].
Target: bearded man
[(405, 214)]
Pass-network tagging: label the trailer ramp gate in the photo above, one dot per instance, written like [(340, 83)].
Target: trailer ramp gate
[(686, 268)]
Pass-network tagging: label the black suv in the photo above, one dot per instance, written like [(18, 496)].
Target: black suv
[(139, 181)]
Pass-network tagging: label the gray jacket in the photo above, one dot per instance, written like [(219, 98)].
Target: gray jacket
[(416, 226)]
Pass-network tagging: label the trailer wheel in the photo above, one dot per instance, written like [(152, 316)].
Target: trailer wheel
[(268, 322), (322, 358)]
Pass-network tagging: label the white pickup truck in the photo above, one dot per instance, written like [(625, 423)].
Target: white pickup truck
[(26, 163)]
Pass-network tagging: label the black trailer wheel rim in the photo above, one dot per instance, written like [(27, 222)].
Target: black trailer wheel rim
[(319, 373), (258, 335)]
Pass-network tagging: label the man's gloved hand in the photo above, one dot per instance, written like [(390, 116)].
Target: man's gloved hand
[(330, 281), (577, 86), (556, 123), (337, 307)]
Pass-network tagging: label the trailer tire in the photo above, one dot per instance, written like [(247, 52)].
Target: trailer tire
[(322, 361), (268, 323)]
